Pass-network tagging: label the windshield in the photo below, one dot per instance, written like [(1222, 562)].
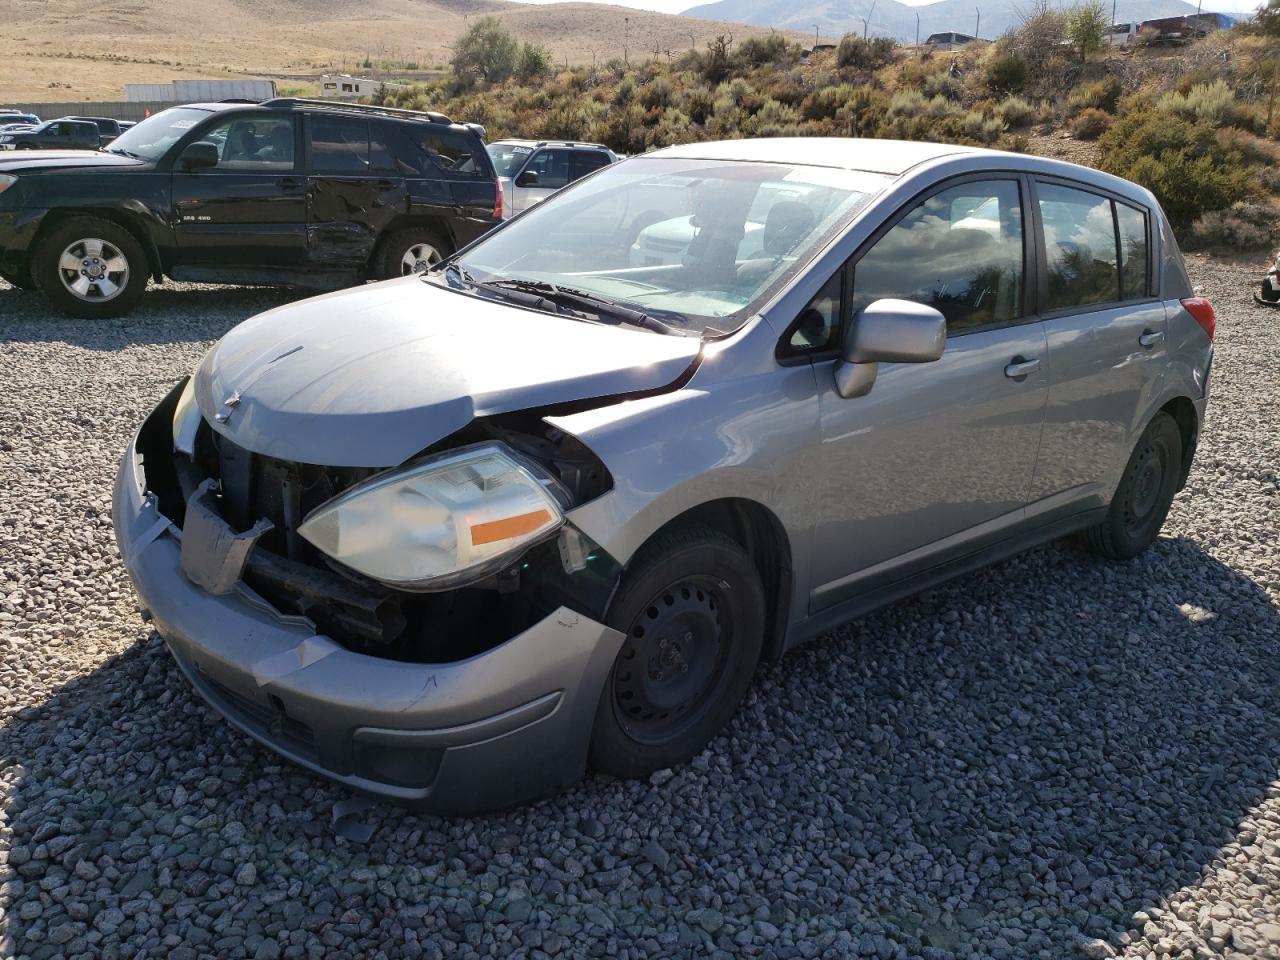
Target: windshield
[(508, 157), (151, 138), (694, 243)]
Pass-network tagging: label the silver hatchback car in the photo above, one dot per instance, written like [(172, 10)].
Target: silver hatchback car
[(454, 539)]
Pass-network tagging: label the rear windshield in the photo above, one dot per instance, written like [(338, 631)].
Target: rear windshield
[(150, 139), (508, 157)]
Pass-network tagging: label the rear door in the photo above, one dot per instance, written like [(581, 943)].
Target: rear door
[(248, 213), (355, 189), (451, 178), (1106, 333)]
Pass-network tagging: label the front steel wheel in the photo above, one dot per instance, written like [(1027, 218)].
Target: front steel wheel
[(692, 609)]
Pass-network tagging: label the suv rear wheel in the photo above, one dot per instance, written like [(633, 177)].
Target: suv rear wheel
[(693, 611), (91, 268), (410, 251)]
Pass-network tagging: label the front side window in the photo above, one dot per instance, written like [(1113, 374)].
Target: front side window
[(253, 143), (1080, 247), (672, 237), (551, 166), (339, 145), (960, 251)]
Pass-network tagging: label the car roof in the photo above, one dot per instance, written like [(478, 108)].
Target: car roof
[(875, 156)]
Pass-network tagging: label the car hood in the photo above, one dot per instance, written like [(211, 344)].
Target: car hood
[(370, 376), (21, 160)]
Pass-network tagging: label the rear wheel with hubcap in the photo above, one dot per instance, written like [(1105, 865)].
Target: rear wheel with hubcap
[(410, 251), (1146, 490), (91, 268), (692, 609)]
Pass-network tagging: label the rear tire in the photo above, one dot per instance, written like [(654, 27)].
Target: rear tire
[(91, 268), (410, 251), (1146, 490), (693, 611)]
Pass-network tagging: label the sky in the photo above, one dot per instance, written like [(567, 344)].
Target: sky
[(679, 6)]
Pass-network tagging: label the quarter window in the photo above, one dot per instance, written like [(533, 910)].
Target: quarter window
[(1080, 247), (448, 151), (586, 161), (1133, 251), (339, 145), (960, 251), (816, 328)]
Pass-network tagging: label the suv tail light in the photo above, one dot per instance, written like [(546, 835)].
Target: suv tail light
[(497, 203), (1202, 310)]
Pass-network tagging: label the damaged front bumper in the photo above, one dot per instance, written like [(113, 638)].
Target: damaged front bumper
[(504, 726)]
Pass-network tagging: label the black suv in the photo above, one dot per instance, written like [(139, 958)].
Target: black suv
[(287, 191), (61, 134)]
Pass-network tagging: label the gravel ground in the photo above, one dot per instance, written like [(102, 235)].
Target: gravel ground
[(1053, 758)]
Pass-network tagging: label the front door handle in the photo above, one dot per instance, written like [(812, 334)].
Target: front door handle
[(1021, 366), (1150, 338)]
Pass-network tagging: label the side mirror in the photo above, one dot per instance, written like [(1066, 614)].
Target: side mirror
[(202, 153), (527, 179), (892, 331)]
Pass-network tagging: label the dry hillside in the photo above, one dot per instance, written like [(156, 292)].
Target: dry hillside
[(68, 49)]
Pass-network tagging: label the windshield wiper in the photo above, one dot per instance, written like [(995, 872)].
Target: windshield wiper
[(121, 152), (602, 308)]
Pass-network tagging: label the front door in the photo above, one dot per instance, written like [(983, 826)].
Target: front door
[(248, 212), (1106, 334), (937, 458), (354, 190), (551, 164)]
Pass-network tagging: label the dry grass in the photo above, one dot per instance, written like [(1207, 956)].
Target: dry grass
[(71, 49)]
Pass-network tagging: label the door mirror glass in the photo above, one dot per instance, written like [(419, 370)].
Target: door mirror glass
[(202, 153), (889, 331), (527, 179)]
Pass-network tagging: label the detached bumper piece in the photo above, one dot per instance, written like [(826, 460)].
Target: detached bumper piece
[(502, 727)]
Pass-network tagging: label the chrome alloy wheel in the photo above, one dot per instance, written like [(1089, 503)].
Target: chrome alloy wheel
[(93, 270), (418, 258)]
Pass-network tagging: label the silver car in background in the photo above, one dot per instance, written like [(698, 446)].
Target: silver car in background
[(455, 539), (529, 171)]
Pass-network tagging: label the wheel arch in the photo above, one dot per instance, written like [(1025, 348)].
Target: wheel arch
[(756, 529), (435, 223), (1183, 411), (124, 219)]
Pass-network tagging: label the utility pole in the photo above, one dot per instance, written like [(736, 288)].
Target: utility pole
[(1113, 12), (815, 36), (626, 31), (917, 29), (977, 27), (870, 13)]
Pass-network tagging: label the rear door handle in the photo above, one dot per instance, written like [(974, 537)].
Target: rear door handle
[(288, 183), (1021, 366), (1150, 338)]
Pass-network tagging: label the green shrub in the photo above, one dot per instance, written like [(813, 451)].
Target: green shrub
[(1090, 123), (1204, 101), (657, 93), (864, 54), (486, 52), (533, 62), (1007, 73), (825, 102), (1101, 94), (771, 50), (1181, 162), (1016, 113), (942, 84)]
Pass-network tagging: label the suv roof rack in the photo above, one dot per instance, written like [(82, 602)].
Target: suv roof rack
[(571, 143), (429, 116)]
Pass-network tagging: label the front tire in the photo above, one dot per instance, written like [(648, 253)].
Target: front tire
[(91, 268), (1141, 502), (692, 608), (410, 251)]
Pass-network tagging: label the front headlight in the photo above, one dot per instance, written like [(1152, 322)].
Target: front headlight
[(186, 420), (447, 520)]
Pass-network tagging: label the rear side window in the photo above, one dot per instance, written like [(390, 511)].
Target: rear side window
[(1133, 252), (450, 152), (960, 251), (586, 161), (339, 145), (1081, 255)]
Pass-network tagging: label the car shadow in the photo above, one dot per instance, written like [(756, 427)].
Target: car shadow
[(1026, 755), (166, 314)]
